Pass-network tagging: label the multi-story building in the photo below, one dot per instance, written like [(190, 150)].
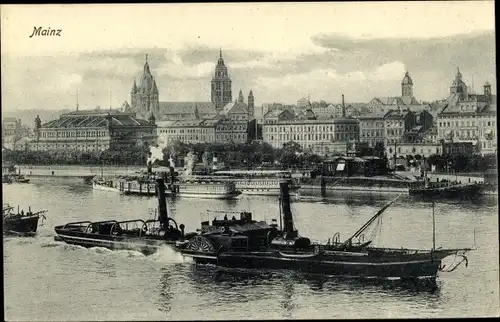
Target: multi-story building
[(230, 125), (233, 125), (93, 131), (307, 130), (413, 149), (372, 128), (187, 131), (11, 126), (396, 123), (466, 117)]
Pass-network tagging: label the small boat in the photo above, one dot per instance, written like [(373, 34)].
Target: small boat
[(6, 179), (20, 223), (19, 178), (245, 243), (105, 185), (146, 236)]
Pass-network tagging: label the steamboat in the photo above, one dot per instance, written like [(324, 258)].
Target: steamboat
[(187, 185), (20, 223), (10, 175), (146, 236), (246, 243), (258, 182)]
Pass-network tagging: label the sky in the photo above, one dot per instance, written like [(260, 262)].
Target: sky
[(280, 51)]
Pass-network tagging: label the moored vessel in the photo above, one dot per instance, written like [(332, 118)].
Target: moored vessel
[(146, 236), (104, 185), (245, 243), (258, 182), (20, 223)]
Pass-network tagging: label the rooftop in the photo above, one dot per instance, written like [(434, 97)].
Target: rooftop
[(84, 119)]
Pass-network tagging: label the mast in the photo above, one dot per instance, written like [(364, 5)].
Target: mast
[(369, 222), (433, 228)]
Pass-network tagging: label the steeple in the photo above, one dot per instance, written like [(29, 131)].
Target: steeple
[(77, 100), (221, 93), (134, 87), (458, 86), (240, 97), (146, 67)]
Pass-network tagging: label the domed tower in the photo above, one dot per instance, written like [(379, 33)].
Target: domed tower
[(407, 85), (221, 85), (458, 86), (487, 91), (144, 98)]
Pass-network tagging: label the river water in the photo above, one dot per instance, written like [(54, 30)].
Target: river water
[(45, 280)]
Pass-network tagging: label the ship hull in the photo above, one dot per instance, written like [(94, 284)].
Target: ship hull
[(208, 195), (144, 245), (25, 225), (342, 264), (263, 191), (452, 192), (100, 187)]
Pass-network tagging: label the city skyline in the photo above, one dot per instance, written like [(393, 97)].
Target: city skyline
[(282, 59)]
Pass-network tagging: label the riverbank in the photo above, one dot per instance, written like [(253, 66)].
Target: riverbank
[(74, 171)]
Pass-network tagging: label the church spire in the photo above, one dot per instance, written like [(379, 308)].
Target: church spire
[(240, 97), (220, 53)]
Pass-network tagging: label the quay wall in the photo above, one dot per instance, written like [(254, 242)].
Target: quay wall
[(76, 170)]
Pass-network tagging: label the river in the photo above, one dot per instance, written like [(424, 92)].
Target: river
[(45, 280)]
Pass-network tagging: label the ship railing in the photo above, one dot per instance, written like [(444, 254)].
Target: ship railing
[(77, 224), (91, 225), (123, 227)]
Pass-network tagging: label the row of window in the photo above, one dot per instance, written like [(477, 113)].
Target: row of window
[(72, 134), (466, 123), (371, 133), (313, 128), (312, 137)]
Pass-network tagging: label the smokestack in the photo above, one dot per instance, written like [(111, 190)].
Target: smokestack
[(285, 207), (162, 203), (343, 106), (150, 167)]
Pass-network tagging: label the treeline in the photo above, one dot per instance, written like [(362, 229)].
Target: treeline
[(109, 158), (247, 155), (462, 162)]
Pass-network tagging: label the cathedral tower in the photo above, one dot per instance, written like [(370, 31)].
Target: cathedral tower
[(145, 97), (240, 97), (221, 85), (251, 106)]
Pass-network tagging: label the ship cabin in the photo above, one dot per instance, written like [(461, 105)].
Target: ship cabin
[(241, 233)]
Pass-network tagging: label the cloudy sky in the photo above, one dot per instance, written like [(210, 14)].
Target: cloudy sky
[(281, 51)]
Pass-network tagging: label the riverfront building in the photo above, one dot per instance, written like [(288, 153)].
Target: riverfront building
[(305, 129), (95, 130), (466, 117)]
